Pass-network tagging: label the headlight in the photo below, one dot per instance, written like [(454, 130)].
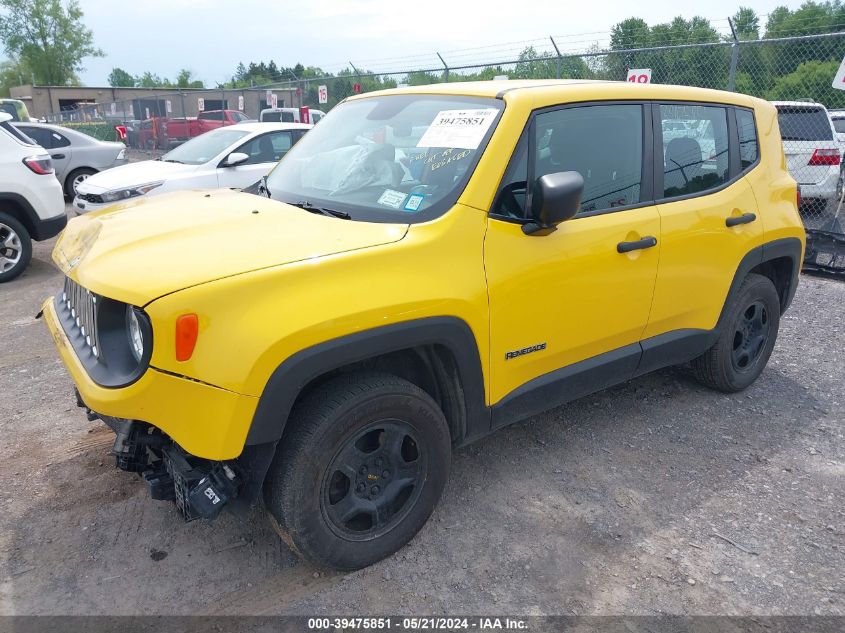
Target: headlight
[(132, 192), (121, 154), (136, 335)]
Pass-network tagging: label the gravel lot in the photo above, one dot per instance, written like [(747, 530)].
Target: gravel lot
[(655, 497)]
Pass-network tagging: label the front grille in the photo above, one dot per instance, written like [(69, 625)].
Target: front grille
[(91, 197), (82, 306)]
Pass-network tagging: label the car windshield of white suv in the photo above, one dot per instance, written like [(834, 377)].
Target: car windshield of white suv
[(798, 123), (203, 148), (387, 158)]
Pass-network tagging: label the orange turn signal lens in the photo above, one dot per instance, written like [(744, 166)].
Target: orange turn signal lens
[(187, 328)]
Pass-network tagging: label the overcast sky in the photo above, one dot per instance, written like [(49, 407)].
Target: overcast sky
[(210, 37)]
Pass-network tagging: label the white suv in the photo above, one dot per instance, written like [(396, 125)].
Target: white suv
[(813, 156), (32, 206)]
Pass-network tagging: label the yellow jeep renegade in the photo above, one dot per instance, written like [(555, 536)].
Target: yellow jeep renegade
[(427, 265)]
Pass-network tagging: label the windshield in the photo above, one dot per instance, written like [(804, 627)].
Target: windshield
[(388, 158), (798, 123), (277, 117), (204, 147)]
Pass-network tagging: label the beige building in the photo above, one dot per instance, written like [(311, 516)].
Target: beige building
[(88, 103)]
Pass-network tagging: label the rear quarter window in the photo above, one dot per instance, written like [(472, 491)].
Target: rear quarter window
[(801, 123), (748, 149)]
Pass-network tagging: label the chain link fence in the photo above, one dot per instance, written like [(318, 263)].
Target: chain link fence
[(795, 72)]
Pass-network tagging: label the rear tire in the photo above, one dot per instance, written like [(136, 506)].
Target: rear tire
[(74, 178), (359, 470), (15, 247), (746, 340)]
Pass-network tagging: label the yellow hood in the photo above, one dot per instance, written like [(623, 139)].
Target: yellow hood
[(144, 250)]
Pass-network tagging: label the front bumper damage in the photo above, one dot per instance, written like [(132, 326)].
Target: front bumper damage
[(201, 488), (186, 439)]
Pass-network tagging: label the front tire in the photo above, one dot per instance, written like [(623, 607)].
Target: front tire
[(15, 247), (749, 332), (359, 470)]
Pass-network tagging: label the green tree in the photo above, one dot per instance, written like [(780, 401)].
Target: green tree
[(185, 80), (699, 66), (753, 72), (421, 79), (809, 80), (119, 78), (630, 33), (746, 24), (151, 80), (12, 73), (48, 36), (810, 18)]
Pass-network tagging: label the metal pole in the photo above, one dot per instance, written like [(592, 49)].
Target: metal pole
[(734, 58), (557, 50), (446, 73), (356, 71), (357, 76), (296, 85)]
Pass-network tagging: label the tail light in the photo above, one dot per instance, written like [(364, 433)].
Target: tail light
[(41, 164), (822, 157), (121, 132)]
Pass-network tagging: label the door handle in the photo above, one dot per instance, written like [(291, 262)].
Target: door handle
[(648, 241), (736, 220), (57, 156)]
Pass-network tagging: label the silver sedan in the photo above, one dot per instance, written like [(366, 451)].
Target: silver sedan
[(76, 156)]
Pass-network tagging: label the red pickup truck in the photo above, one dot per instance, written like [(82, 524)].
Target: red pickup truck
[(171, 131)]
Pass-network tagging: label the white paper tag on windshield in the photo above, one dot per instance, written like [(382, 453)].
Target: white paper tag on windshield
[(458, 128), (391, 198)]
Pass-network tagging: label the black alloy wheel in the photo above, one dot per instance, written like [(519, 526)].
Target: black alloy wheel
[(373, 480), (751, 333)]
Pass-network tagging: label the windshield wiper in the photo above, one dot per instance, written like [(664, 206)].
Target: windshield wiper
[(334, 213), (172, 160)]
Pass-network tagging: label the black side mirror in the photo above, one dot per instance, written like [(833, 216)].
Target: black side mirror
[(554, 199)]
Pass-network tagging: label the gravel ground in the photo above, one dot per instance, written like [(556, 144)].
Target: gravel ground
[(655, 497)]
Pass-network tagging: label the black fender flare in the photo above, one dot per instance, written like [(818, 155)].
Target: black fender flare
[(293, 375), (785, 247)]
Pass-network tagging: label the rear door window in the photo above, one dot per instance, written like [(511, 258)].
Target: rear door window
[(18, 134), (802, 123), (37, 134), (695, 158), (58, 140), (267, 148)]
